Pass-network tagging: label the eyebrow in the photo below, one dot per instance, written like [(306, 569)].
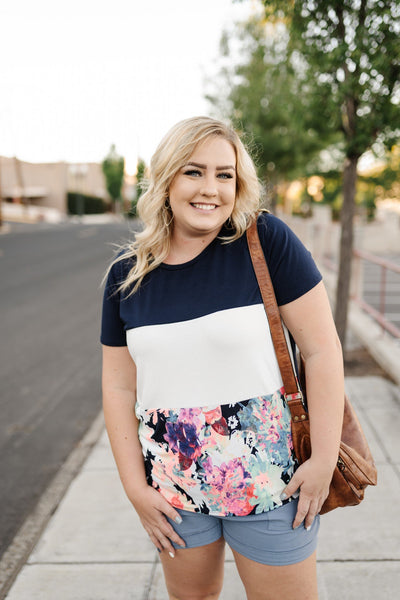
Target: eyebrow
[(200, 166)]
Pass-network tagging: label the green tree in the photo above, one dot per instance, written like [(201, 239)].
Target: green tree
[(350, 54), (263, 101), (113, 168), (351, 50), (386, 179), (140, 179)]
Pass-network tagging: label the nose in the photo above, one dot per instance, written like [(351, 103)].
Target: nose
[(209, 189), (208, 192)]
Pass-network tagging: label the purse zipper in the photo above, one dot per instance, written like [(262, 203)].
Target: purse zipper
[(353, 481)]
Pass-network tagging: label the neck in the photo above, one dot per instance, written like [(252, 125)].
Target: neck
[(183, 249)]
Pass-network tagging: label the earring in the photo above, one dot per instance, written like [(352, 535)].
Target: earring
[(167, 214)]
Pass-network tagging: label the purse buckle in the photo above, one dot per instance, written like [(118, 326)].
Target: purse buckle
[(295, 396)]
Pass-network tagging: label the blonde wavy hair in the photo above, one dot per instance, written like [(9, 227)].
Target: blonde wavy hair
[(151, 246)]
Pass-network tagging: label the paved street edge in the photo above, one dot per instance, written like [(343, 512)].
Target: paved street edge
[(24, 541)]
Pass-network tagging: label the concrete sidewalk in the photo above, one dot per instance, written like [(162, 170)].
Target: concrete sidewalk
[(94, 547)]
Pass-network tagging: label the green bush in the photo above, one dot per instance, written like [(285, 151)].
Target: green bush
[(368, 203), (83, 204), (132, 212)]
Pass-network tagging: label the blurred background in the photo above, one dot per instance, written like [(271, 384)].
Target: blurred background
[(87, 91)]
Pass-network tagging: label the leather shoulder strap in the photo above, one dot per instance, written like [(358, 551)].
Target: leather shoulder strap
[(271, 308)]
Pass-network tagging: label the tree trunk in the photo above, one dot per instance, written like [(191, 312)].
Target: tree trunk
[(20, 180), (346, 246)]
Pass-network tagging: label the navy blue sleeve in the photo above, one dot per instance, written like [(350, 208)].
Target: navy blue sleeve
[(112, 327), (292, 268)]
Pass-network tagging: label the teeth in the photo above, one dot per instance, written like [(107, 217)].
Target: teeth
[(205, 206)]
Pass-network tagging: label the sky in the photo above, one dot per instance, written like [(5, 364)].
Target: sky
[(81, 75)]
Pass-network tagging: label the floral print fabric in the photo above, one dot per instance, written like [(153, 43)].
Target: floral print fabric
[(228, 460)]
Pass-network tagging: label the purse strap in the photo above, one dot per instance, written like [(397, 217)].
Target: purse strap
[(293, 394)]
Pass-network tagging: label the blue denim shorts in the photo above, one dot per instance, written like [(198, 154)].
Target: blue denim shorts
[(267, 538)]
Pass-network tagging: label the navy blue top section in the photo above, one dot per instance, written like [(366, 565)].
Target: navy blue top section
[(220, 278)]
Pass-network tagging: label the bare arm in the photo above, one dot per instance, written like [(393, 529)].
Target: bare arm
[(310, 321), (119, 399)]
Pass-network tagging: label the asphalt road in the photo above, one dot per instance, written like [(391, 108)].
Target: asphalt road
[(50, 354)]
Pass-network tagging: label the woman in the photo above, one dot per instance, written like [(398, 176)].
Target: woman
[(192, 391)]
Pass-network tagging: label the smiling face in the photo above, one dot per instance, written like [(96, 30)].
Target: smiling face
[(202, 193)]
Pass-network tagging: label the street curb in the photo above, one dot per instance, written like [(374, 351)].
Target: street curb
[(24, 541)]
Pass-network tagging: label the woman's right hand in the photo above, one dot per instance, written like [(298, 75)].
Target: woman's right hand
[(153, 509)]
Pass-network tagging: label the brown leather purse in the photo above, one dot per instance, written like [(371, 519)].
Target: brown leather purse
[(355, 468)]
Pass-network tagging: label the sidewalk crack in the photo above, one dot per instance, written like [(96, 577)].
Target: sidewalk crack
[(149, 585)]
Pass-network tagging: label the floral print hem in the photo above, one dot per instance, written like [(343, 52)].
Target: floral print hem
[(227, 460)]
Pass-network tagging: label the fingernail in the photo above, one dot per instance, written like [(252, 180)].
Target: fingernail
[(172, 555), (308, 528), (158, 550), (178, 519), (283, 496)]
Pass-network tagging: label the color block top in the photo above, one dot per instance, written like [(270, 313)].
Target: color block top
[(214, 426)]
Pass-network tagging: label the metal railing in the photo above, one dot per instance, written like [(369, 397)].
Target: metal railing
[(323, 240), (358, 294), (377, 312)]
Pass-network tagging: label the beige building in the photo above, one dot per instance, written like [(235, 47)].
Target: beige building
[(47, 184)]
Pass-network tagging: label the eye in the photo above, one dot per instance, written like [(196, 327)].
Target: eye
[(192, 172), (225, 175)]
